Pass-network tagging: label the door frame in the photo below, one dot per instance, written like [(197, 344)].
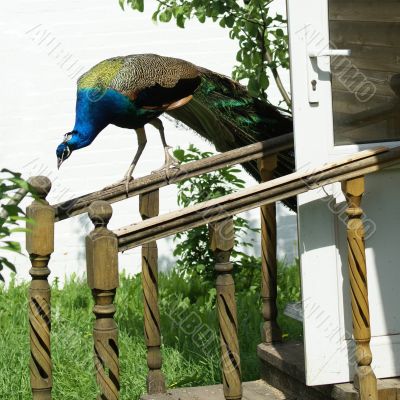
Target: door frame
[(329, 348)]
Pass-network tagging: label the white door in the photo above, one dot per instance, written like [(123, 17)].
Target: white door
[(343, 104)]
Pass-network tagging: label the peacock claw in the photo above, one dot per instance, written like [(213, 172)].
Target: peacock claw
[(170, 161), (127, 179)]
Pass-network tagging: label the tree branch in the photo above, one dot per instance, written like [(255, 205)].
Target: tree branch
[(274, 70), (278, 80)]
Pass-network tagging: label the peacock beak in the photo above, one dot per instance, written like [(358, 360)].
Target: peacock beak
[(59, 162)]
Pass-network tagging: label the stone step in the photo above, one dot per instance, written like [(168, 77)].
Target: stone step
[(283, 367), (256, 390)]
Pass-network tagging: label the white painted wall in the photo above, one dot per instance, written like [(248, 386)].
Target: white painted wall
[(45, 46)]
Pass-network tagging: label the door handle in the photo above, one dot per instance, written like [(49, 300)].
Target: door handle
[(329, 52), (313, 69)]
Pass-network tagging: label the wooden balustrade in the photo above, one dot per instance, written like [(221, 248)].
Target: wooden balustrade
[(102, 276), (149, 207), (364, 162), (222, 242), (40, 246), (364, 379), (271, 331), (102, 265)]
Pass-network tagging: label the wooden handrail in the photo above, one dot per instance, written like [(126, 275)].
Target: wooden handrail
[(157, 180), (278, 189)]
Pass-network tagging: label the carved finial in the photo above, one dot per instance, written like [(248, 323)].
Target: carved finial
[(41, 185), (100, 213)]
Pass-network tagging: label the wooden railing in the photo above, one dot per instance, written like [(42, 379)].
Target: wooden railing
[(160, 179), (102, 246)]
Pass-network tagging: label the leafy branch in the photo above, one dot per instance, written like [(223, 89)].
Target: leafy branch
[(261, 35), (195, 259), (12, 190)]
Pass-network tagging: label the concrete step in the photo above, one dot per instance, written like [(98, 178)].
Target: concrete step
[(283, 367), (256, 390)]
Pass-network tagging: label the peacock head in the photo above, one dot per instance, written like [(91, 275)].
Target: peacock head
[(64, 149)]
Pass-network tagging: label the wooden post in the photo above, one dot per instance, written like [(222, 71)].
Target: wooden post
[(222, 242), (40, 245), (364, 379), (271, 331), (149, 207), (102, 276)]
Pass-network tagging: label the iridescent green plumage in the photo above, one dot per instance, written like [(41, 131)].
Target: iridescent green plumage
[(102, 74), (223, 112)]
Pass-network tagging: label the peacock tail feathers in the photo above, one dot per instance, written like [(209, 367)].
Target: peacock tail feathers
[(250, 117), (225, 114)]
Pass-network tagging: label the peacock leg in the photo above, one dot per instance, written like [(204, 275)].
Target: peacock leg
[(170, 160), (142, 140)]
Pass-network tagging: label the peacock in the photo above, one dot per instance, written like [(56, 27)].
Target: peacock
[(132, 91)]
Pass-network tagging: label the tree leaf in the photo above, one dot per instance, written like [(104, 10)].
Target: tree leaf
[(180, 20), (230, 20), (165, 16), (179, 154), (8, 264)]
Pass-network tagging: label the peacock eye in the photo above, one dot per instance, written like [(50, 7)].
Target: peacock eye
[(66, 153), (67, 136)]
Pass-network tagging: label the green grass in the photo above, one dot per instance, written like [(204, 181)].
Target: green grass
[(189, 328)]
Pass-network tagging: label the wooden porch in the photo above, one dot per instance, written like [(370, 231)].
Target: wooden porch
[(282, 364), (256, 390)]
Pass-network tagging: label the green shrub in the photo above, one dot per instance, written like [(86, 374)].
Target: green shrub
[(11, 215), (194, 257)]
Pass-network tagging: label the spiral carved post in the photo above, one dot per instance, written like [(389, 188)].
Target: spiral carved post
[(102, 276), (271, 331), (364, 379), (149, 207), (222, 242), (40, 245)]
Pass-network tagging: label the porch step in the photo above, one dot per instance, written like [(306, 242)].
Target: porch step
[(283, 367), (256, 390)]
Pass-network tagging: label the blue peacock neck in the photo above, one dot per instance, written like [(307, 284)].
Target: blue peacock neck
[(95, 109)]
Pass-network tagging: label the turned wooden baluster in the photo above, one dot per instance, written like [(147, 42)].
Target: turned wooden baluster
[(102, 276), (364, 379), (222, 242), (271, 331), (40, 245), (149, 207)]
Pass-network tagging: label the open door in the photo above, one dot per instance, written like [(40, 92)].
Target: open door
[(345, 71)]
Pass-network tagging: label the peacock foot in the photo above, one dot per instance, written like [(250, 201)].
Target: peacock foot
[(125, 180), (170, 161)]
